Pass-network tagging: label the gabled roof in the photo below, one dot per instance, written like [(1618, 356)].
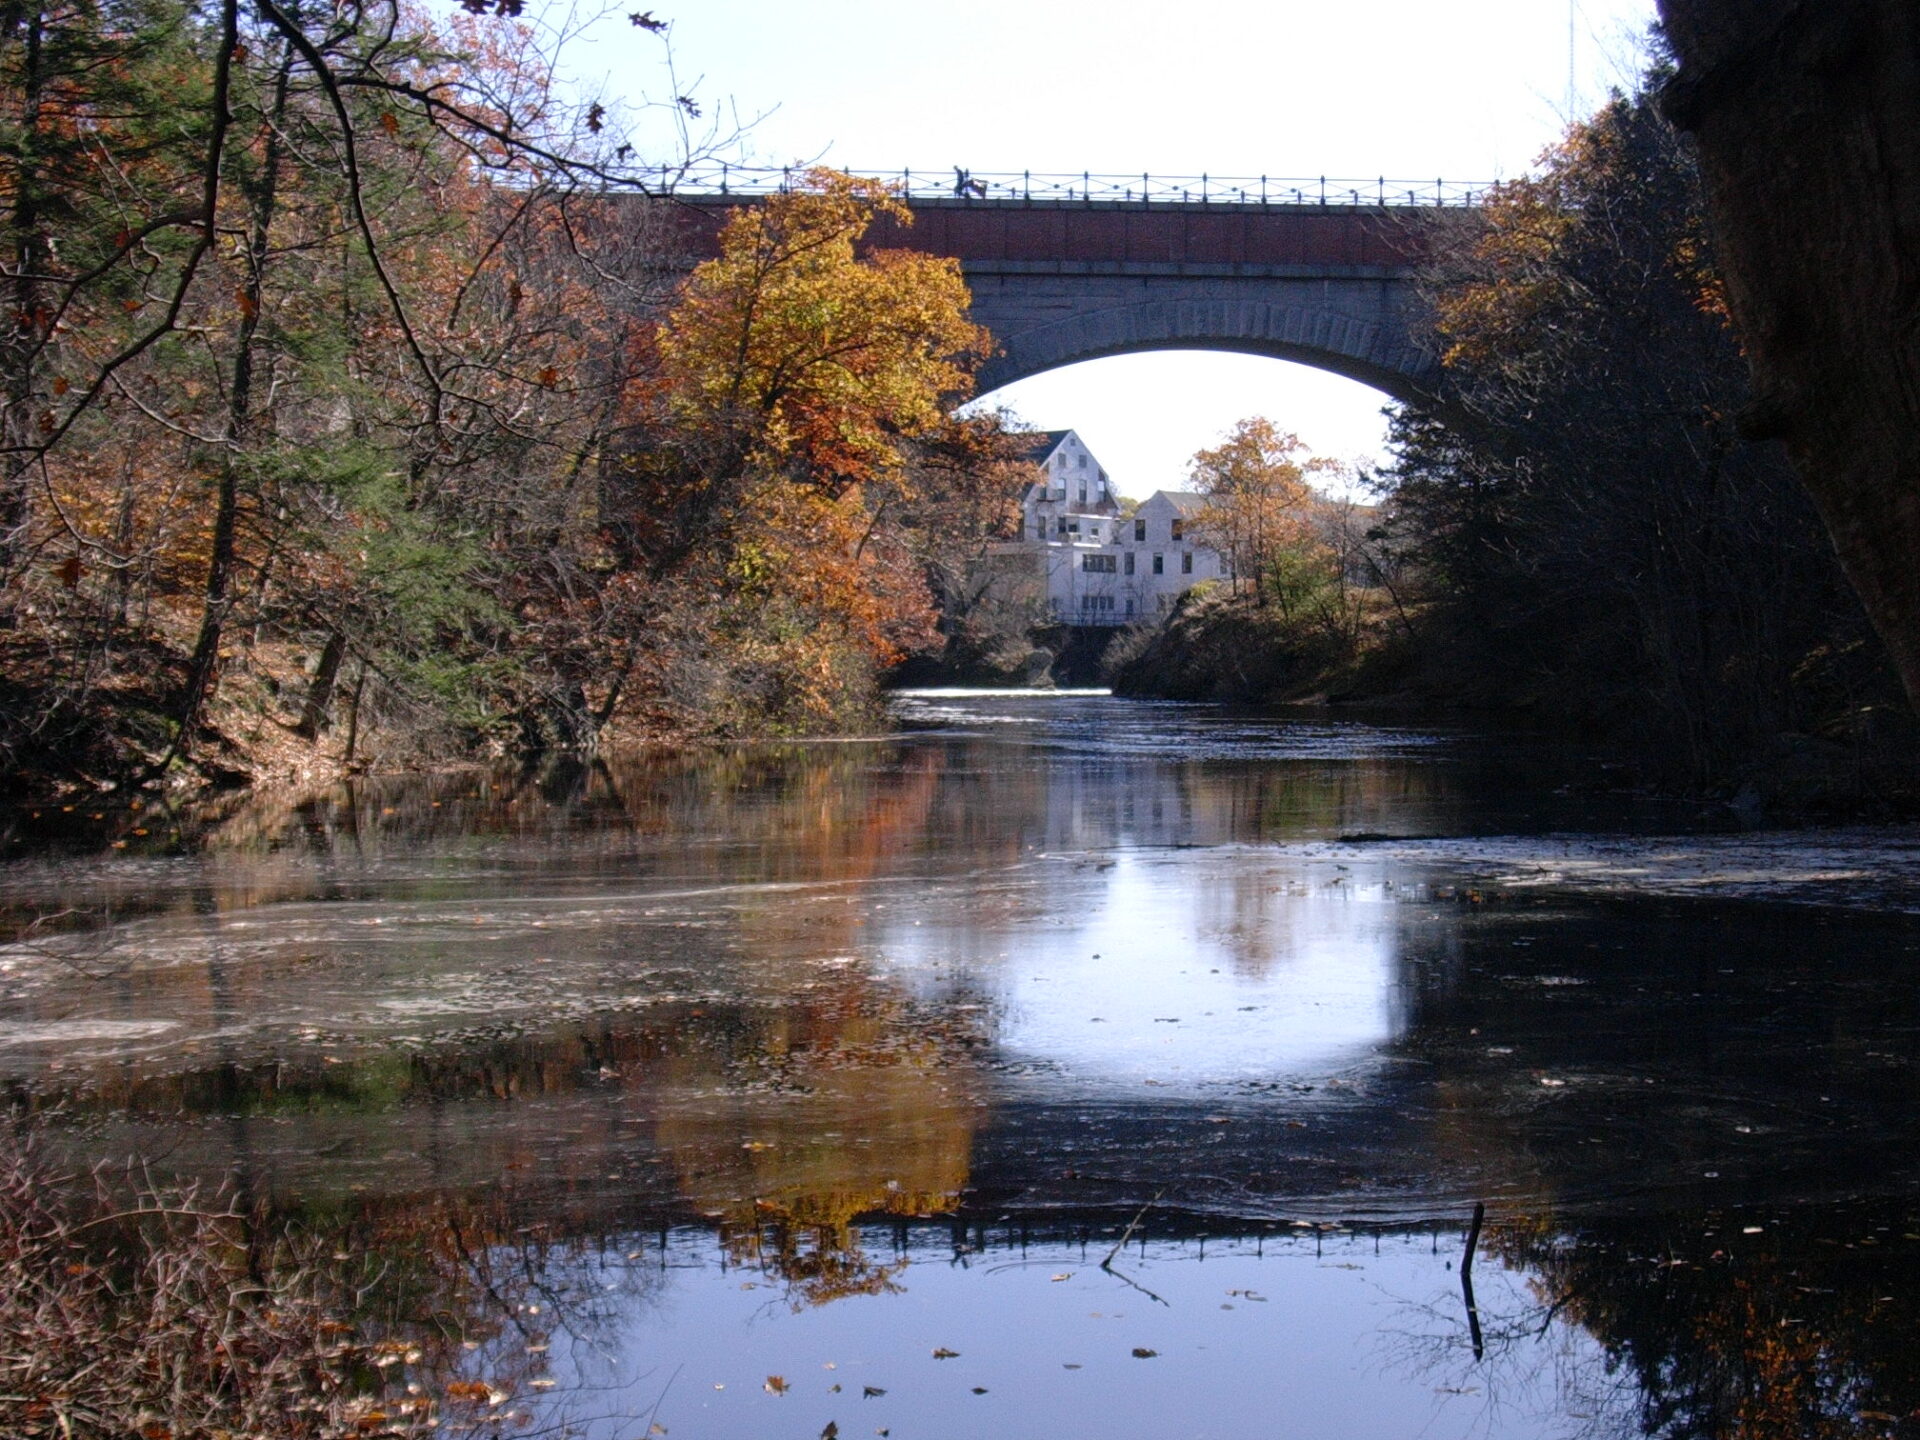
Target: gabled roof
[(1041, 444), (1188, 502)]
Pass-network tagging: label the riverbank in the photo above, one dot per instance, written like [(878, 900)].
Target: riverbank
[(285, 716), (1852, 760)]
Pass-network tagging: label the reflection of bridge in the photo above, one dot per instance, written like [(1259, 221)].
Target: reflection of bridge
[(1069, 268)]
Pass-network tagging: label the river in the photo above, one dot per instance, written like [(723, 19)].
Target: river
[(1055, 1066)]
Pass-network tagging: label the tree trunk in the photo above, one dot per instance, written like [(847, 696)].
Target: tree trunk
[(1807, 117), (313, 713), (262, 194), (27, 331)]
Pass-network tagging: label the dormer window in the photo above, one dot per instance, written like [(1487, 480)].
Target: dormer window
[(1179, 528)]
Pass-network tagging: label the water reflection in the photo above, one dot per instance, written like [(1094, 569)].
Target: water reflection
[(844, 1023)]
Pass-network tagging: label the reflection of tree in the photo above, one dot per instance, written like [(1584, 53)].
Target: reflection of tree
[(1797, 1334), (841, 1106), (1734, 1337)]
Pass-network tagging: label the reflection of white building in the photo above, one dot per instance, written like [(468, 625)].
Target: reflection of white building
[(1094, 565)]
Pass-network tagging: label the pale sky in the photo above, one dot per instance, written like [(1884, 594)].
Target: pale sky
[(1468, 90)]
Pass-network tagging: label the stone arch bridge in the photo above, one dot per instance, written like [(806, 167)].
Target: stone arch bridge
[(1294, 270)]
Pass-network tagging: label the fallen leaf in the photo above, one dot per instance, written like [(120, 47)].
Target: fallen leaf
[(1141, 1353), (867, 1392), (979, 1389), (775, 1385), (942, 1353), (1057, 1278), (831, 1432)]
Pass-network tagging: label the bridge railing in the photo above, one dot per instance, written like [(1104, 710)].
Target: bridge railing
[(1092, 187)]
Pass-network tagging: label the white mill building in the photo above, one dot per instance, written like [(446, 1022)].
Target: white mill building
[(1094, 565)]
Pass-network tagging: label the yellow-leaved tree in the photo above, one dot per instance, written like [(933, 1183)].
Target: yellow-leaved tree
[(817, 358), (796, 371), (1261, 510)]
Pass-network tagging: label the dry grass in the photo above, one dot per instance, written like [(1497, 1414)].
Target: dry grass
[(133, 1310)]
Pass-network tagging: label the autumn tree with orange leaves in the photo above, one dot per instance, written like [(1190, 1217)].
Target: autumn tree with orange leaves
[(773, 496), (1261, 508)]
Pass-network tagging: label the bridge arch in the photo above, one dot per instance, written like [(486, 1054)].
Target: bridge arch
[(1374, 351)]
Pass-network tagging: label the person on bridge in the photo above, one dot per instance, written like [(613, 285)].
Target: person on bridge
[(964, 184)]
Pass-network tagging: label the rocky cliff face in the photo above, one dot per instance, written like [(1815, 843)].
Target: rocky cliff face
[(1807, 117)]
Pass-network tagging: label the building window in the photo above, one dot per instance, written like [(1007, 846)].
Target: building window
[(1060, 526), (1129, 562), (1073, 527), (1083, 494), (1129, 598), (1159, 564), (1139, 530), (1179, 528), (1101, 563), (1186, 563)]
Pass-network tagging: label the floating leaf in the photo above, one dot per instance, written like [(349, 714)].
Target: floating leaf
[(776, 1385), (942, 1353), (1142, 1353)]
